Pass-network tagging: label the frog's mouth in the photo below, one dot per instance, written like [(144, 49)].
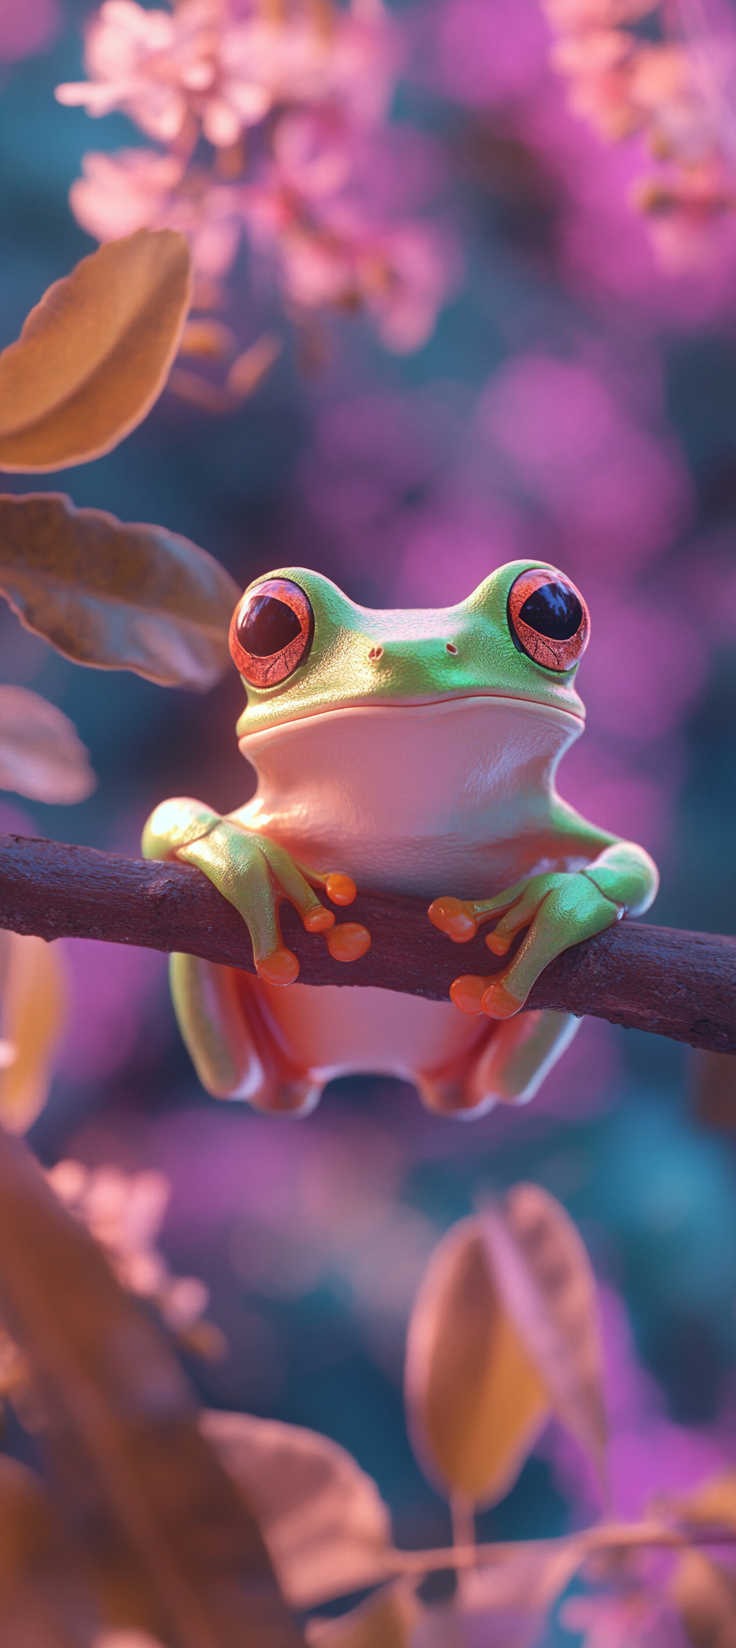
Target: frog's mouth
[(439, 704)]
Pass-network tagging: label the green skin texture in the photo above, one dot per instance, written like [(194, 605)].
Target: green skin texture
[(254, 874)]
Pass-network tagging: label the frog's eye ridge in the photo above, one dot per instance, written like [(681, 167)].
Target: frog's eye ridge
[(548, 618), (271, 631)]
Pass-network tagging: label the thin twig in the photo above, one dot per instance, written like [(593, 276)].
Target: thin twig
[(610, 1536)]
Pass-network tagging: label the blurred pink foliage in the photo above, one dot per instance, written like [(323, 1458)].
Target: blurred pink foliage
[(626, 83), (567, 458), (496, 60), (294, 105)]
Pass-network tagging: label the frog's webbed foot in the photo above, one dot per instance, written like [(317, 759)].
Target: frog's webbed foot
[(558, 909), (255, 874)]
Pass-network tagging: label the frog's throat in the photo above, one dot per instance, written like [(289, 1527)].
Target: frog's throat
[(456, 795)]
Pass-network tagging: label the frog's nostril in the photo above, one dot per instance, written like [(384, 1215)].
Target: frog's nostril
[(375, 653), (450, 647)]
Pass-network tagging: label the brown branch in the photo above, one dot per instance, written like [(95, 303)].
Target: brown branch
[(672, 983)]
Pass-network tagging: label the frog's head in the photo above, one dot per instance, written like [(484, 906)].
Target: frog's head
[(303, 648)]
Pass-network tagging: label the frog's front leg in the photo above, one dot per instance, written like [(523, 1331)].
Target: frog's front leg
[(254, 874), (559, 909), (218, 1009)]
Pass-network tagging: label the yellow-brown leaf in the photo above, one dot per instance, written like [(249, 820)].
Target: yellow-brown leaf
[(34, 995), (95, 353), (475, 1400)]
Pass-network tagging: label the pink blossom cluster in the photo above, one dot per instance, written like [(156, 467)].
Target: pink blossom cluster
[(667, 89), (269, 120), (124, 1213)]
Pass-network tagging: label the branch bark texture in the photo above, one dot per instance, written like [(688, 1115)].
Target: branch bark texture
[(671, 983)]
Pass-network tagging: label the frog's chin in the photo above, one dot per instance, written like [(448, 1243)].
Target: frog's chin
[(413, 796), (443, 704)]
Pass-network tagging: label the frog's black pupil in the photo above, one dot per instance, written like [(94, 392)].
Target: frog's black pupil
[(268, 626), (553, 610)]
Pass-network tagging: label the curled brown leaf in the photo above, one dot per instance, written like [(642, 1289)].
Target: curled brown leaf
[(41, 754), (94, 354), (327, 1529), (545, 1277), (705, 1595), (113, 595)]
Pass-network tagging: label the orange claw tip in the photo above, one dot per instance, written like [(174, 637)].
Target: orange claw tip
[(452, 916), (281, 967), (317, 921), (498, 1002), (341, 889), (348, 941), (467, 993)]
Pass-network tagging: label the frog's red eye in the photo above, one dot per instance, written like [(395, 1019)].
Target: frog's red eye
[(271, 631), (548, 618)]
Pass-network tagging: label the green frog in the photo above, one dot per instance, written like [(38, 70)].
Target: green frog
[(408, 751)]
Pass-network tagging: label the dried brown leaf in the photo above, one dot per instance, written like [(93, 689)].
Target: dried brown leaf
[(116, 596), (207, 339), (34, 1000), (327, 1529), (714, 1504), (475, 1401), (44, 1600), (705, 1595), (174, 1549), (189, 386), (248, 371), (385, 1620), (41, 754), (545, 1277), (94, 354)]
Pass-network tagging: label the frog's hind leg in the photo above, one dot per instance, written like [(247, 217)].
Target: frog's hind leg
[(508, 1067), (229, 1044)]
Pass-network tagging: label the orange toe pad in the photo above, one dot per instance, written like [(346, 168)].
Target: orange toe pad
[(468, 992), (453, 917), (348, 941), (281, 967), (498, 1002)]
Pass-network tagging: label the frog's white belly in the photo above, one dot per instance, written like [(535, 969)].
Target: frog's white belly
[(449, 797), (331, 1031)]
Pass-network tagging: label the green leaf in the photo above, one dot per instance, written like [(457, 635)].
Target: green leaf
[(116, 596), (95, 353)]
